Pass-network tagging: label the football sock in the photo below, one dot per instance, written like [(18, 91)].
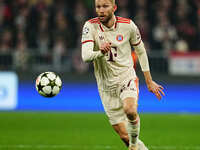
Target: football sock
[(133, 129)]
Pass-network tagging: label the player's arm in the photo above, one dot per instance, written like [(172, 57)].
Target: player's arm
[(140, 51), (88, 44), (143, 59), (88, 54)]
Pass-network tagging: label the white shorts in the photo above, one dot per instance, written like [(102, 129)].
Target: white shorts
[(113, 100)]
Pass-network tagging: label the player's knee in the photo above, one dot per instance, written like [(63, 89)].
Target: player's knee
[(130, 108), (131, 112)]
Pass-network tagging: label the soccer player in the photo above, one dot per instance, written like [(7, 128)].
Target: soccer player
[(107, 41)]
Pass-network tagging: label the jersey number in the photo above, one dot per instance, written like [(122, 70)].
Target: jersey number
[(112, 54)]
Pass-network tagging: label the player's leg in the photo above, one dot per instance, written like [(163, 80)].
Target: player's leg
[(133, 126), (122, 132), (120, 128), (114, 110), (129, 97)]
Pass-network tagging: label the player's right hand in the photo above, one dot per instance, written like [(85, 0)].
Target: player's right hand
[(105, 47)]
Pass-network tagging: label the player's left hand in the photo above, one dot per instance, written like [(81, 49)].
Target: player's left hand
[(156, 89), (105, 47)]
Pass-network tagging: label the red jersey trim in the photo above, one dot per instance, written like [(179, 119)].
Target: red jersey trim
[(137, 85), (128, 22), (94, 20), (137, 43), (123, 20), (87, 41), (101, 28), (115, 24)]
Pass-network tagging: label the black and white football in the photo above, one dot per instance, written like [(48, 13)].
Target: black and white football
[(48, 84)]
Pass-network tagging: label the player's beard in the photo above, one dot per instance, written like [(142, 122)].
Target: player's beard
[(106, 18)]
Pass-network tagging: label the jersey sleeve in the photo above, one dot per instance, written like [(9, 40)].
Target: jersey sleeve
[(135, 37), (88, 54), (142, 56), (87, 33), (138, 45)]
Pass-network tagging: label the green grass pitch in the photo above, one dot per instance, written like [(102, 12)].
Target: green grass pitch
[(91, 131)]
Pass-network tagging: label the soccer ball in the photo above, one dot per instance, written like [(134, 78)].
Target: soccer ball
[(48, 84)]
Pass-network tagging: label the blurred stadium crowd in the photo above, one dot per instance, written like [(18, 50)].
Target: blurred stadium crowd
[(36, 33)]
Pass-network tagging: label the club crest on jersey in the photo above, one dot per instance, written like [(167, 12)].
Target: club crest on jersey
[(119, 38)]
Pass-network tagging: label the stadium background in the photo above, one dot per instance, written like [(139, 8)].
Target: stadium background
[(44, 35)]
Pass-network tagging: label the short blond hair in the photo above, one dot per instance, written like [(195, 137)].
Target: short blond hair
[(113, 2)]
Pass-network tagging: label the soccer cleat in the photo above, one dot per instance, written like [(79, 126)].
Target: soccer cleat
[(141, 146), (133, 147)]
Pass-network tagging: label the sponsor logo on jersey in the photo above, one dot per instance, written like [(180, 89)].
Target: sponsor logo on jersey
[(119, 38), (101, 37)]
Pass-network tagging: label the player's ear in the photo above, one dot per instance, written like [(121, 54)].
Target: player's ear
[(115, 7)]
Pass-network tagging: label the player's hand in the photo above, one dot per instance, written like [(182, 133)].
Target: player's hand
[(105, 47), (156, 89)]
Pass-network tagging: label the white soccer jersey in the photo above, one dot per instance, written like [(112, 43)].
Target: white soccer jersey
[(117, 64)]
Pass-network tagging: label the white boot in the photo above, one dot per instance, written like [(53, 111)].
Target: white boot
[(133, 147), (141, 145)]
